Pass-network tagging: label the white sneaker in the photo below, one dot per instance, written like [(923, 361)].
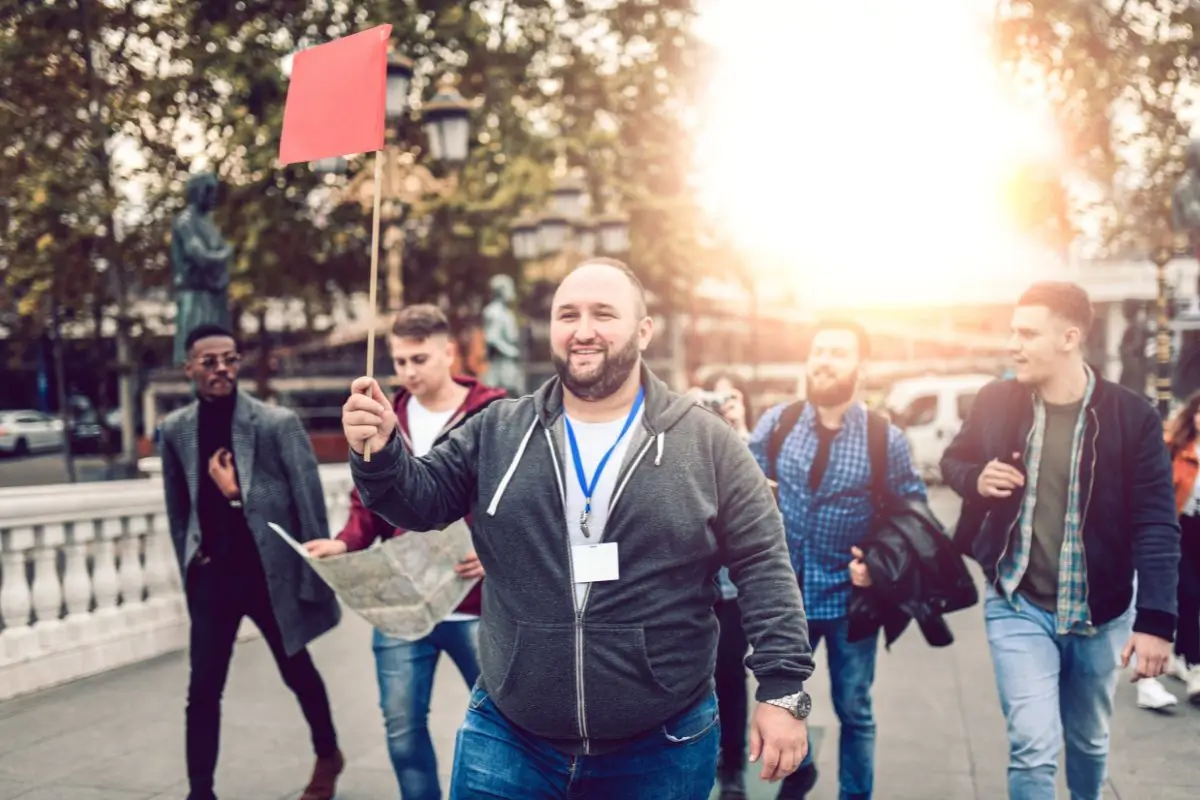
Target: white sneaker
[(1177, 668), (1193, 686), (1152, 695)]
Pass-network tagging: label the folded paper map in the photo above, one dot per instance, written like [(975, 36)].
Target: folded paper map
[(404, 586)]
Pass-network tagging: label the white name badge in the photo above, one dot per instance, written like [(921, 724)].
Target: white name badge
[(595, 562)]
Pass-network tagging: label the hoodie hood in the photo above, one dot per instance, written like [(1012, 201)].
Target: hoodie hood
[(478, 397), (661, 411)]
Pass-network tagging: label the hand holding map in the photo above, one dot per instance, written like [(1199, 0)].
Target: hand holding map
[(404, 586)]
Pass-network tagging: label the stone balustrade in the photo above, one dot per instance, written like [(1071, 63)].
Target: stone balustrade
[(89, 581)]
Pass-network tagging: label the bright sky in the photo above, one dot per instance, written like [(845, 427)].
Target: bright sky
[(863, 145)]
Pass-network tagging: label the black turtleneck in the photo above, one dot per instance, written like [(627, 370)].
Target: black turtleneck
[(221, 526)]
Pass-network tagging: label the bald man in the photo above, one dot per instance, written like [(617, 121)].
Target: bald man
[(604, 504)]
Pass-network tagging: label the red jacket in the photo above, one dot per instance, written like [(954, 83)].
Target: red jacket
[(363, 527)]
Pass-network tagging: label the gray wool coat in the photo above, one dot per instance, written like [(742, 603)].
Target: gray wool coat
[(277, 471)]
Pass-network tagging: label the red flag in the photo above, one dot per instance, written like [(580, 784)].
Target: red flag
[(336, 98)]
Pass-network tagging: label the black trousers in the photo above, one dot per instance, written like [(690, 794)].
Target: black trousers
[(1187, 639), (730, 677), (218, 596)]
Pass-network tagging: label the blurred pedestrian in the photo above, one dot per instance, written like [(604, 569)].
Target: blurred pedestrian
[(732, 645), (1185, 662)]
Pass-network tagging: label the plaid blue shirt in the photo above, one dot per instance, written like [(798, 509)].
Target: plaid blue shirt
[(823, 525)]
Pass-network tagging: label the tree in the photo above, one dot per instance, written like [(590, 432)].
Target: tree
[(1115, 74), (542, 83), (181, 84)]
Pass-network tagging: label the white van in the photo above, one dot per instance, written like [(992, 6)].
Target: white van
[(930, 410)]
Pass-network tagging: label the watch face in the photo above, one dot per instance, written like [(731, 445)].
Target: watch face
[(803, 705)]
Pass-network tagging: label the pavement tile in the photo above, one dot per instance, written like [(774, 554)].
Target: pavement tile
[(12, 789), (66, 792)]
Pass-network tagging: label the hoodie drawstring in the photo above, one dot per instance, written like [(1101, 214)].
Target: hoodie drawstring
[(658, 448), (512, 468)]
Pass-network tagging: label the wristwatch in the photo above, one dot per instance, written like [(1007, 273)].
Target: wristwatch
[(798, 704)]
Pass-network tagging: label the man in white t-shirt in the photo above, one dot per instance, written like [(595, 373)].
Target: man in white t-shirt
[(431, 403)]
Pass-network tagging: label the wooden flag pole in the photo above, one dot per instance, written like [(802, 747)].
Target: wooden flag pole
[(374, 283)]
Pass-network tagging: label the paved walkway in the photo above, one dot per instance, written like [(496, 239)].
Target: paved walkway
[(120, 736)]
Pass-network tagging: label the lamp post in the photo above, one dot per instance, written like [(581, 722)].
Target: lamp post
[(405, 183), (1162, 378), (549, 243)]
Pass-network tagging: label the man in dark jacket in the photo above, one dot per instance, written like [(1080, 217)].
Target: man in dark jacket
[(1068, 496), (431, 403), (603, 505), (231, 464)]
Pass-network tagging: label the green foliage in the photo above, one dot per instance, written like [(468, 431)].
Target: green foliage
[(191, 83), (1111, 72)]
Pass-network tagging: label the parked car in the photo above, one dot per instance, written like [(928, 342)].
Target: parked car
[(931, 410), (25, 431)]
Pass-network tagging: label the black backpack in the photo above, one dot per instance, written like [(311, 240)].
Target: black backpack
[(877, 448)]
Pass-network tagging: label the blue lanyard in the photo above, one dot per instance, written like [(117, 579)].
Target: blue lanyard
[(589, 488)]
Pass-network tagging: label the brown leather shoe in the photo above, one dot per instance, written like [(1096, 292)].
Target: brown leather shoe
[(323, 785)]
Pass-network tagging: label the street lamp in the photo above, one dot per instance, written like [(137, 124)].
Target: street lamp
[(406, 184), (568, 197), (399, 81), (554, 230), (1162, 382), (585, 236), (524, 233), (613, 229), (446, 119)]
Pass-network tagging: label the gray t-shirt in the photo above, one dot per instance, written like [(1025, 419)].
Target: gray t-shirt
[(1040, 583)]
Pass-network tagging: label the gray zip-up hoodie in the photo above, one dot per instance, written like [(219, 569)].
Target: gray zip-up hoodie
[(689, 497)]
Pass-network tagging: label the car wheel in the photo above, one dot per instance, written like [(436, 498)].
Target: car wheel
[(21, 448)]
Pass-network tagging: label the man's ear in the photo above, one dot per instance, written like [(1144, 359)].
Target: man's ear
[(645, 332)]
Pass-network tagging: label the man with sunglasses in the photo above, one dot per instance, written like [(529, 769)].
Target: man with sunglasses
[(231, 464)]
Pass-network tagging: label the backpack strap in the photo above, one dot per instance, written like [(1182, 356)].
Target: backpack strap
[(783, 426), (877, 452)]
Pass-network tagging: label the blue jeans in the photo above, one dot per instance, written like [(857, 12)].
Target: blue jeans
[(1053, 686), (852, 672), (405, 671), (494, 759)]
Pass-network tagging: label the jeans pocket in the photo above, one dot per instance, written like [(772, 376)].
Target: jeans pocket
[(693, 724), (479, 696)]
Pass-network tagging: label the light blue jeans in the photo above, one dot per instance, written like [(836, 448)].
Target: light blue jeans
[(1053, 688), (405, 671)]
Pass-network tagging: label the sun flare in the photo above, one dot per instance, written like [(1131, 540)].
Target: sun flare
[(865, 146)]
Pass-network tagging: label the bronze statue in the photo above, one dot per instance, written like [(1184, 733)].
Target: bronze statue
[(199, 263), (503, 338)]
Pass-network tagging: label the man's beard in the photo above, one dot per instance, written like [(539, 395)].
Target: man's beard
[(836, 393), (614, 370)]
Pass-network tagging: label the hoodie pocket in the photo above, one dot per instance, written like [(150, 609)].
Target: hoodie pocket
[(623, 694), (528, 671)]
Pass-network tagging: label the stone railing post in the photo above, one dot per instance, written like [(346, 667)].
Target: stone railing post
[(17, 639)]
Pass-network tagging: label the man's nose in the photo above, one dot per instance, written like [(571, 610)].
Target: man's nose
[(584, 331)]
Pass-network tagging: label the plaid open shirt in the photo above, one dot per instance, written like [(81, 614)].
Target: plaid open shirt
[(1072, 614), (823, 525)]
